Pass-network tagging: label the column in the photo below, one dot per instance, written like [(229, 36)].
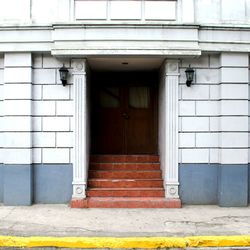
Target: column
[(81, 152), (17, 115), (233, 144), (170, 133)]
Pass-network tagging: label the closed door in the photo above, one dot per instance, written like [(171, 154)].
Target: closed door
[(124, 120)]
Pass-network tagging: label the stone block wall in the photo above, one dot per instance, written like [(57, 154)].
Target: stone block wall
[(36, 130), (1, 108), (52, 112), (214, 129), (179, 11), (199, 111)]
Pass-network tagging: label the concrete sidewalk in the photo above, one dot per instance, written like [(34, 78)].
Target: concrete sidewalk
[(60, 220)]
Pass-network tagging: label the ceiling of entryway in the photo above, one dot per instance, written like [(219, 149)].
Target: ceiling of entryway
[(125, 63)]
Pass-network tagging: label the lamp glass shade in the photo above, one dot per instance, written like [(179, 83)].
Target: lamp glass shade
[(189, 74), (63, 73)]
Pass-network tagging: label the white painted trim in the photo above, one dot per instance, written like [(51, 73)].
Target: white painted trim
[(72, 10), (80, 164), (171, 74)]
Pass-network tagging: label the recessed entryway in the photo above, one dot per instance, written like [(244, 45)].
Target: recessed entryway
[(105, 99)]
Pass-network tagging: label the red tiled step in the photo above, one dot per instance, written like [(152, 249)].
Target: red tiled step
[(125, 192), (125, 174), (125, 166), (124, 183), (124, 158), (126, 202)]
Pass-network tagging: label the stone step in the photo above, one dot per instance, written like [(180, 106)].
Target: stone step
[(126, 202), (125, 166), (124, 158), (125, 192), (124, 183), (125, 174)]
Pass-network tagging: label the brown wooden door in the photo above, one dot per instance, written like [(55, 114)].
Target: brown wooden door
[(124, 119)]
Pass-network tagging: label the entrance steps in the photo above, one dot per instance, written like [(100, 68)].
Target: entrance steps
[(125, 181)]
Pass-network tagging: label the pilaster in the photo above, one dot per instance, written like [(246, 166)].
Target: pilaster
[(171, 129), (80, 163)]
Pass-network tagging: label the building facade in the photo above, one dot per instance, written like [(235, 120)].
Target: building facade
[(126, 95)]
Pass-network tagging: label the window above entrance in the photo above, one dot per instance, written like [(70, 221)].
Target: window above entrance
[(125, 10)]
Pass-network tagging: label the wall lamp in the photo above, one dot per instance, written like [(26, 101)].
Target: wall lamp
[(63, 75), (189, 75)]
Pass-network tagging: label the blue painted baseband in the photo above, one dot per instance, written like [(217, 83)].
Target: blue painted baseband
[(18, 185), (1, 183), (198, 184), (41, 183), (53, 183), (225, 185), (233, 185), (249, 183)]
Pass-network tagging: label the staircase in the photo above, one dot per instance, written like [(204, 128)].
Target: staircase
[(125, 181)]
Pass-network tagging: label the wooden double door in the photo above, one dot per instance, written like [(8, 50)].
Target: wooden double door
[(124, 118)]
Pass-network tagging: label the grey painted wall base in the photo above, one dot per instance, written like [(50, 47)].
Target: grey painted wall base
[(233, 185), (53, 183), (17, 185), (225, 185), (198, 183), (248, 183), (27, 184), (1, 183)]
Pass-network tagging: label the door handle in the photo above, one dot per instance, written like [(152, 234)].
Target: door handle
[(125, 115)]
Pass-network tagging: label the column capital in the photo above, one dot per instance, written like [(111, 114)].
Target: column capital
[(171, 67), (79, 66)]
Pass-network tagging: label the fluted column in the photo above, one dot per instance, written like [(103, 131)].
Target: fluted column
[(171, 79), (80, 163)]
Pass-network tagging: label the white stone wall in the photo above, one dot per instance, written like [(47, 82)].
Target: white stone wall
[(17, 108), (125, 10), (249, 115), (1, 107), (52, 112), (181, 11), (214, 111), (199, 111), (222, 11), (234, 80)]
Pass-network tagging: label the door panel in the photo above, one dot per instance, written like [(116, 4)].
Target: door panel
[(140, 125), (124, 119), (108, 134)]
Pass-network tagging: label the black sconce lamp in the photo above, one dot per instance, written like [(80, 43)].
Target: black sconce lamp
[(63, 75), (189, 75)]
